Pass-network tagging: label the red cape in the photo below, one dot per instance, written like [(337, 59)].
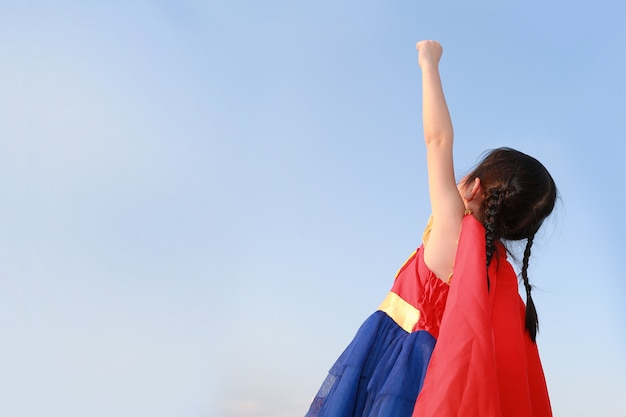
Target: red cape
[(484, 363)]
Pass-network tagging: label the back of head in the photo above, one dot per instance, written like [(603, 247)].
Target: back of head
[(518, 194)]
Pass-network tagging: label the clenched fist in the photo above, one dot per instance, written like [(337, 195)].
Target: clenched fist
[(429, 53)]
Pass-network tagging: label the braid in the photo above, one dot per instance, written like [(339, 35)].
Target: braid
[(492, 207), (518, 195), (532, 322)]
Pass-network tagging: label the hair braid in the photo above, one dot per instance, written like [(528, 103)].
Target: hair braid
[(519, 194), (492, 206), (532, 322)]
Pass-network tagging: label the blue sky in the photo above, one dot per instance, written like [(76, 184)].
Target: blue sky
[(201, 201)]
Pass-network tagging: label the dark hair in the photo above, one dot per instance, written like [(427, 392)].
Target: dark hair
[(519, 193)]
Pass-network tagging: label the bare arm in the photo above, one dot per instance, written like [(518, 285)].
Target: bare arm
[(446, 203)]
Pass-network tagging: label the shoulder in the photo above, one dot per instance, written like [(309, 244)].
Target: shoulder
[(440, 248)]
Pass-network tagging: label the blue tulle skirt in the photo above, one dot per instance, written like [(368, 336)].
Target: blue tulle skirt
[(379, 374)]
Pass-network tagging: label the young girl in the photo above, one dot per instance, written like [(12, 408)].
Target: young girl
[(453, 337)]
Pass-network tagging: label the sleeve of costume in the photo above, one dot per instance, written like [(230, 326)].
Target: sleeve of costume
[(482, 364)]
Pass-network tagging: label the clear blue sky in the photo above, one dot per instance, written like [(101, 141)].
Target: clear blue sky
[(201, 201)]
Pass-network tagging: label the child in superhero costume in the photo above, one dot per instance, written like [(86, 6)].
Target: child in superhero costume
[(453, 336)]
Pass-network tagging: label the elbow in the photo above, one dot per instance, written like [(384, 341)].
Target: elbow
[(437, 140)]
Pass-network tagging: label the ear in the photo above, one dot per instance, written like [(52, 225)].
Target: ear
[(475, 191)]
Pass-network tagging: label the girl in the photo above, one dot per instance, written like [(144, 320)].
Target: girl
[(453, 336)]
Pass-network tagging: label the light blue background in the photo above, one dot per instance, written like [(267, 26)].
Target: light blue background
[(201, 201)]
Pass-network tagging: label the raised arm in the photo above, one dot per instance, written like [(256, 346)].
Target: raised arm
[(446, 202)]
